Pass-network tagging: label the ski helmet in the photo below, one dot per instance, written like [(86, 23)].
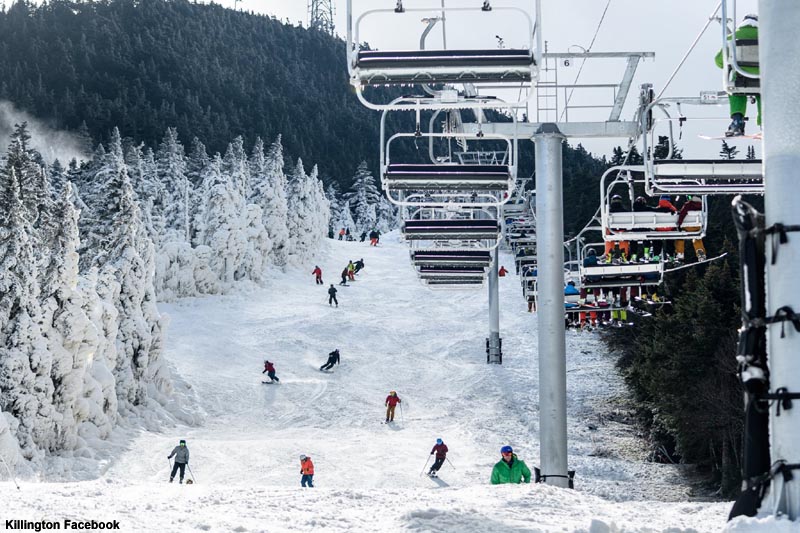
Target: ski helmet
[(664, 197), (439, 441), (303, 457), (616, 197), (506, 449), (640, 200), (182, 442), (591, 251)]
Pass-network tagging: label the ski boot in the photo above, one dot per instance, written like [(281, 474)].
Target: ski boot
[(737, 126), (701, 256), (170, 480)]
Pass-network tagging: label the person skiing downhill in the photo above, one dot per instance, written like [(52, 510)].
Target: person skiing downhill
[(440, 449), (510, 469), (317, 275), (269, 368), (333, 359), (181, 453), (391, 402), (332, 296), (307, 471), (359, 265)]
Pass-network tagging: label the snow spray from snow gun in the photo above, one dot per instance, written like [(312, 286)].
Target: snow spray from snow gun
[(10, 474)]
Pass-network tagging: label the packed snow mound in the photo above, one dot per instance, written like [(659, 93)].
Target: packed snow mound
[(393, 333)]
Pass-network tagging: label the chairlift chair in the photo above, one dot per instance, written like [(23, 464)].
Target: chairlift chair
[(691, 176), (432, 67), (455, 258)]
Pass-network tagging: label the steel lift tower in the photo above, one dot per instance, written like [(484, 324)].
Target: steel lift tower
[(320, 15)]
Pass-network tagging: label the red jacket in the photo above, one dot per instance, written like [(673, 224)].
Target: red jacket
[(691, 205), (441, 450), (502, 272), (317, 272), (393, 400), (307, 467), (268, 367)]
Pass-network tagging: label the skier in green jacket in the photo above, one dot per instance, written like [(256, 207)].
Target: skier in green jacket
[(748, 29), (510, 469)]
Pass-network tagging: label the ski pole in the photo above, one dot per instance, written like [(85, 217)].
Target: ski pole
[(402, 419), (426, 465), (451, 464), (190, 472), (9, 472)]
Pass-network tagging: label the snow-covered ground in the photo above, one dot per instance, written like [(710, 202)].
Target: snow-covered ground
[(393, 334)]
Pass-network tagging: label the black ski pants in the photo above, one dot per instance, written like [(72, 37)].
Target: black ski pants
[(437, 464), (175, 467), (327, 366), (332, 300)]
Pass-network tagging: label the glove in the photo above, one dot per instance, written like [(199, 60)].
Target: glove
[(169, 457), (431, 453)]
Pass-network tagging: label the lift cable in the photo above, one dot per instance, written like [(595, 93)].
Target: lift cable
[(711, 18), (599, 24)]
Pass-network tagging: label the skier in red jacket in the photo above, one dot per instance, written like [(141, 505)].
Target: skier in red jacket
[(440, 449), (269, 368), (391, 402), (317, 275)]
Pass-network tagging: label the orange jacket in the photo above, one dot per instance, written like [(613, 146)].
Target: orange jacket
[(307, 467)]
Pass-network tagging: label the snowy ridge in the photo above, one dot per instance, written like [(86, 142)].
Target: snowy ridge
[(393, 334)]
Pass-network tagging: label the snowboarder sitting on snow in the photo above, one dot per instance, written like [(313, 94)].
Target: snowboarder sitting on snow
[(269, 368), (440, 449), (359, 265), (317, 275), (307, 471), (502, 272), (510, 469), (391, 402), (344, 277), (332, 296), (333, 359), (181, 453)]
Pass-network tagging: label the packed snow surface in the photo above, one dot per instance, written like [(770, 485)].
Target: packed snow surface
[(393, 334)]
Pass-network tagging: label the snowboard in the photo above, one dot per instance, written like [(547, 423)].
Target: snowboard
[(326, 371), (269, 382), (708, 260), (756, 136)]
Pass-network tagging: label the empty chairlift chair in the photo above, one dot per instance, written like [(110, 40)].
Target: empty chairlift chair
[(452, 258), (430, 67), (452, 229), (712, 176)]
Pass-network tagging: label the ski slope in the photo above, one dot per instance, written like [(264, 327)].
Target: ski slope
[(393, 334)]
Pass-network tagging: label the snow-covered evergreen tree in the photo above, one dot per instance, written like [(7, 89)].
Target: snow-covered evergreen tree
[(236, 166), (386, 215), (269, 192), (129, 260), (25, 385), (171, 166), (363, 197), (223, 223)]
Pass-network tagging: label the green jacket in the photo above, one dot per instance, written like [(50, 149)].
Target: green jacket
[(514, 472), (745, 32)]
